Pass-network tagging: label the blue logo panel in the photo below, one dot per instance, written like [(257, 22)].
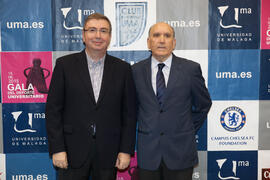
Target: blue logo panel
[(24, 129), (26, 27), (234, 24), (233, 74), (232, 165), (68, 20), (265, 75), (130, 56), (36, 166)]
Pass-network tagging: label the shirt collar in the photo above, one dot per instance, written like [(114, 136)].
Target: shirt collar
[(167, 62), (91, 62)]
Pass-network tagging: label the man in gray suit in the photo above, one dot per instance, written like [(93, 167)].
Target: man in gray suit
[(173, 103)]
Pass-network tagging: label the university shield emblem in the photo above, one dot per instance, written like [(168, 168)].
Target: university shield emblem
[(130, 22)]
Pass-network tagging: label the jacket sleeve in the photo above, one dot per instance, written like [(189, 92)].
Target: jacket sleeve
[(54, 109), (201, 101), (128, 129)]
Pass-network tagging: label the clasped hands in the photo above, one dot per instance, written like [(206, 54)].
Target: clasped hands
[(60, 160)]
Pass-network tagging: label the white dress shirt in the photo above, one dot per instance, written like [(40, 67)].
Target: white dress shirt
[(166, 71)]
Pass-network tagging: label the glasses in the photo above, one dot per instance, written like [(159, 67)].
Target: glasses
[(103, 31)]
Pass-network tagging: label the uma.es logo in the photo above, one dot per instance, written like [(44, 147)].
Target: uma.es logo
[(224, 164), (230, 16), (25, 25), (185, 24), (23, 122), (233, 75), (30, 177), (79, 14)]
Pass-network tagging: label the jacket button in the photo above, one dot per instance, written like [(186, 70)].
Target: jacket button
[(162, 134), (161, 111)]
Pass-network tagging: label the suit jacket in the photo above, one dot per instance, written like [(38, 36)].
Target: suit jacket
[(168, 132), (71, 109)]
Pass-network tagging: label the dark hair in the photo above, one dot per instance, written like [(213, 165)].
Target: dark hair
[(98, 16)]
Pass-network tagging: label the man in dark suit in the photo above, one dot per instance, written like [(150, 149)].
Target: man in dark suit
[(173, 103), (90, 110)]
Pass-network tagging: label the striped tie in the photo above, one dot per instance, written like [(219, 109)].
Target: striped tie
[(160, 83)]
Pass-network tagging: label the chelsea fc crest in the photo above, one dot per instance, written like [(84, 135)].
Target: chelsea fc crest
[(233, 119)]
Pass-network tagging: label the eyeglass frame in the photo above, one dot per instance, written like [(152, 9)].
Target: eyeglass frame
[(94, 30)]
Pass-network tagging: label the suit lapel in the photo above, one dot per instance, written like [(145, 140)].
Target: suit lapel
[(84, 75), (148, 79), (106, 77), (175, 74)]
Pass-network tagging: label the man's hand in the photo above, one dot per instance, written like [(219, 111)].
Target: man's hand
[(60, 160), (122, 161)]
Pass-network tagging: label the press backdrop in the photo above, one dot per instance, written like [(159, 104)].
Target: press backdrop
[(229, 38)]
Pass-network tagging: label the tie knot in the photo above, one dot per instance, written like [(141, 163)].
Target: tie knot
[(161, 66)]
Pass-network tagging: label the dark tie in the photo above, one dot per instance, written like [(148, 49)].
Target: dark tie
[(160, 83)]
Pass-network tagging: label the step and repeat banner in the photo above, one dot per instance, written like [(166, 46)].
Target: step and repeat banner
[(229, 38)]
